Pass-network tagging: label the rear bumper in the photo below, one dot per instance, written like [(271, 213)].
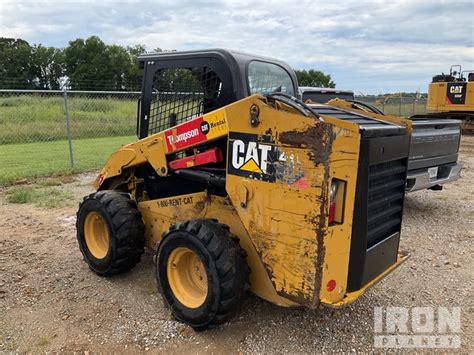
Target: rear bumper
[(420, 179), (354, 295)]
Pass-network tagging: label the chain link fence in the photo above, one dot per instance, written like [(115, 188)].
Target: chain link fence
[(398, 104), (50, 131), (40, 116), (44, 132)]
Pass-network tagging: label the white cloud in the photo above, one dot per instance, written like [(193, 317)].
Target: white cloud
[(366, 46)]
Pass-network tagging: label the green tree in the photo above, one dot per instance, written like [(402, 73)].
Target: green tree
[(86, 64), (93, 65), (119, 64), (16, 71), (89, 64), (134, 74), (48, 66), (314, 78)]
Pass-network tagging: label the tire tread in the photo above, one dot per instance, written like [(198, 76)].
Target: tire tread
[(127, 229), (230, 262)]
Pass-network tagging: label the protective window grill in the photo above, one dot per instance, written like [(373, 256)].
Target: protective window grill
[(182, 94)]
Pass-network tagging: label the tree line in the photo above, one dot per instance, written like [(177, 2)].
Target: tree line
[(88, 64)]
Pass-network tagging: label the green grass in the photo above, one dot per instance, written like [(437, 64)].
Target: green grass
[(31, 160), (33, 118), (407, 110), (42, 341), (20, 195), (53, 198), (50, 197)]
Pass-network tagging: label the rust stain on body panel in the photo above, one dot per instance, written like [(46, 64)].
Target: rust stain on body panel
[(286, 218), (318, 140)]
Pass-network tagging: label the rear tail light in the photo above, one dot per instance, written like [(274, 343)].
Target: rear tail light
[(332, 201), (336, 201), (99, 180), (331, 285)]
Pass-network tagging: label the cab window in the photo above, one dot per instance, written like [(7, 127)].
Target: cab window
[(267, 77)]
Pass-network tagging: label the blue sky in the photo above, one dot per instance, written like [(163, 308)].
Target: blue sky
[(367, 46)]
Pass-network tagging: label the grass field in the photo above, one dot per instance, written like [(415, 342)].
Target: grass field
[(41, 196), (407, 109), (30, 160), (392, 107), (25, 119), (30, 118)]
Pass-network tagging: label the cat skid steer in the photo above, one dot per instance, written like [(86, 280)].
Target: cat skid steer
[(238, 185)]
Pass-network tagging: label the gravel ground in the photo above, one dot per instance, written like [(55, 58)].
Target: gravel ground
[(50, 301)]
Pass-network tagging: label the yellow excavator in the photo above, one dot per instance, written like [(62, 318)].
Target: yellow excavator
[(238, 185), (452, 96)]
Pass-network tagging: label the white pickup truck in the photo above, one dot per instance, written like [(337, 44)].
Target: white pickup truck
[(433, 149)]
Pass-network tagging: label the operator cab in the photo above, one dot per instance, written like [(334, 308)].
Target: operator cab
[(456, 74), (179, 86)]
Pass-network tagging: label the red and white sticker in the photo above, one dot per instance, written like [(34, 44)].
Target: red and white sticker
[(186, 134)]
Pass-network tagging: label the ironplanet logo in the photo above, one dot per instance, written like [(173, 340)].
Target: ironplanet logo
[(183, 137)]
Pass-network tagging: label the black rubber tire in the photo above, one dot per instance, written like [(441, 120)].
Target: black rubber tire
[(126, 230), (226, 268)]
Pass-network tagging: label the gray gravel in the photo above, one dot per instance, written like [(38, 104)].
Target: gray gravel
[(50, 301)]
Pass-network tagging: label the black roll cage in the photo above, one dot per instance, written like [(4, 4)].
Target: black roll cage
[(230, 66)]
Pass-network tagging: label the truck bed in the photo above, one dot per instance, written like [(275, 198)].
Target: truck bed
[(433, 152), (434, 141)]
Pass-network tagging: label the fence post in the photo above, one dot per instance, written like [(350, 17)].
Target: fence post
[(400, 106), (68, 128)]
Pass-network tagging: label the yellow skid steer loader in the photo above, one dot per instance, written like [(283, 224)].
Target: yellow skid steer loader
[(238, 185)]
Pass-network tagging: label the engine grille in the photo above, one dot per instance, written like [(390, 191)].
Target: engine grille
[(385, 200), (378, 207)]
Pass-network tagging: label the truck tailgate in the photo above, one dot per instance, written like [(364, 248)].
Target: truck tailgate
[(435, 141)]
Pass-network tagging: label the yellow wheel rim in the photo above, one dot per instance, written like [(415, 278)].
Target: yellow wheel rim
[(187, 277), (97, 235)]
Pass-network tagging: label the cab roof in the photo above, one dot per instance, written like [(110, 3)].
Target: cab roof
[(226, 54), (236, 61)]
